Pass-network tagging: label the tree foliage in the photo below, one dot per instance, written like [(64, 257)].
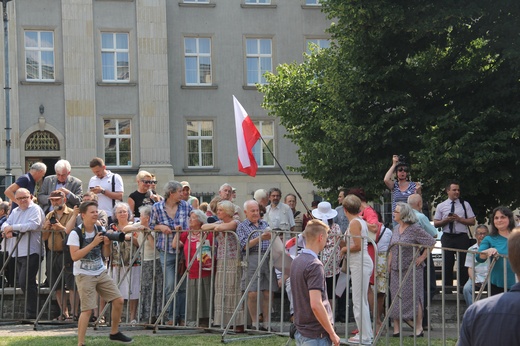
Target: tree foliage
[(435, 81)]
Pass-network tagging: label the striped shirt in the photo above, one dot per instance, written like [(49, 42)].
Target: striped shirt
[(245, 228)]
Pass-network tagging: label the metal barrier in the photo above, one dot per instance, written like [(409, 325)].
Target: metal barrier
[(229, 307)]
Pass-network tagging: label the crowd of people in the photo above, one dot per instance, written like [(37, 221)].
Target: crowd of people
[(163, 249)]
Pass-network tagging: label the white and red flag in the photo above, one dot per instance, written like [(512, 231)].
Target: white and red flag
[(247, 136)]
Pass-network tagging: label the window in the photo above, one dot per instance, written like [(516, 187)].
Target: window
[(197, 58), (312, 2), (200, 144), (114, 57), (197, 1), (320, 42), (258, 2), (259, 59), (263, 156), (118, 142), (39, 55)]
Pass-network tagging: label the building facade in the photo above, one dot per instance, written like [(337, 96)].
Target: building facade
[(148, 84)]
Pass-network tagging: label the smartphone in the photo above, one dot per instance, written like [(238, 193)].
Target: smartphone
[(450, 214)]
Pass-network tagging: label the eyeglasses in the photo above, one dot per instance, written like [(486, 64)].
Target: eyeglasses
[(22, 198), (123, 212), (153, 181), (481, 234), (146, 181), (403, 169)]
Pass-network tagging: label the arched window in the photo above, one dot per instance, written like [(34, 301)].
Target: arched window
[(42, 141)]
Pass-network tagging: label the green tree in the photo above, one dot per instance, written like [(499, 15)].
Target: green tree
[(435, 81)]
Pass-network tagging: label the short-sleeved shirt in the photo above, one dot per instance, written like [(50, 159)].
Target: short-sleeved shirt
[(92, 264), (280, 216), (444, 208), (307, 273), (481, 269), (497, 274), (104, 202), (26, 181), (160, 217), (245, 228), (191, 243)]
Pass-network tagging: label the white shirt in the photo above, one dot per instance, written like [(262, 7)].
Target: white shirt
[(92, 264), (29, 223), (280, 216), (481, 269), (104, 202)]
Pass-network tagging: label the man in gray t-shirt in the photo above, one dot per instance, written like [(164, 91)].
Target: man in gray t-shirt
[(311, 304)]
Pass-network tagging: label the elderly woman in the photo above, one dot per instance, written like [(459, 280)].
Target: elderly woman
[(122, 254), (228, 273), (410, 232), (151, 270), (168, 215), (361, 267), (197, 244), (502, 223), (401, 187)]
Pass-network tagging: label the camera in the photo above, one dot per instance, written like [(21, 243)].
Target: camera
[(53, 220), (402, 158), (114, 236)]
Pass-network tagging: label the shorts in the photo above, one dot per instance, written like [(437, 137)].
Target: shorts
[(88, 285), (266, 275)]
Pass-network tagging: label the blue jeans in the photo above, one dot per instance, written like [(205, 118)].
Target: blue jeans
[(468, 291), (170, 280), (303, 341)]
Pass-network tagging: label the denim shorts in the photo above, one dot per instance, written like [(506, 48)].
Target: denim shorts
[(304, 341)]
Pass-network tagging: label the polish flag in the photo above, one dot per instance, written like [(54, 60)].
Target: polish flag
[(247, 136)]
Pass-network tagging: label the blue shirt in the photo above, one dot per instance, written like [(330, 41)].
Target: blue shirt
[(497, 274), (493, 321), (246, 228), (425, 223), (160, 217), (27, 182)]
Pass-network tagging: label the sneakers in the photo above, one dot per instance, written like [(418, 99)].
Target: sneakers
[(120, 337), (355, 340)]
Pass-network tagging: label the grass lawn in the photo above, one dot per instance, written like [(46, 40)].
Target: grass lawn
[(188, 340)]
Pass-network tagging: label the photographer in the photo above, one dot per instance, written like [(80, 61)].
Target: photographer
[(401, 187), (87, 249), (54, 227)]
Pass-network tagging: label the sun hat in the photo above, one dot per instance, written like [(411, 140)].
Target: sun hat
[(324, 212)]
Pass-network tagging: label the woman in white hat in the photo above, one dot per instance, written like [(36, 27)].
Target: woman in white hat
[(331, 254)]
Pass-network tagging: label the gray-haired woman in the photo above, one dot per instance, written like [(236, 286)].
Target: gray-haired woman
[(410, 232)]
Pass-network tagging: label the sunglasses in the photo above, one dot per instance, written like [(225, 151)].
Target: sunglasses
[(146, 181), (153, 181), (403, 169)]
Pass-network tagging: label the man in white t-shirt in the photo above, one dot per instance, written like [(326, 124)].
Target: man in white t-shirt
[(107, 185), (90, 272), (477, 272), (278, 215)]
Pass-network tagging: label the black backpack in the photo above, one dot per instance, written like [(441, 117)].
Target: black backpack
[(67, 259)]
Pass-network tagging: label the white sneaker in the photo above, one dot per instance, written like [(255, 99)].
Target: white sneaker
[(355, 340)]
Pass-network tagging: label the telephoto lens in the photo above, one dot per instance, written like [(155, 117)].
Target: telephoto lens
[(114, 236)]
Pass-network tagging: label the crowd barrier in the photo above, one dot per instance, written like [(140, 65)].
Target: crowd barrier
[(228, 305)]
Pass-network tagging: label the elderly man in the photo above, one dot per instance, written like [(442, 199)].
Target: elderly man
[(26, 221), (107, 185), (290, 200), (488, 321), (252, 236), (226, 194), (278, 214), (27, 181), (62, 181), (477, 271), (54, 225)]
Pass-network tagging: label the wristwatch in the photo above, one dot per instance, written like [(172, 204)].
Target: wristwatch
[(103, 191)]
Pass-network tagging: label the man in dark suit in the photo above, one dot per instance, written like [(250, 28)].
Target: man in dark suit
[(62, 181)]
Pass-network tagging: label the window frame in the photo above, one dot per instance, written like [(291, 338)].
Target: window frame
[(198, 56), (316, 3), (261, 150), (318, 39), (200, 138), (118, 137), (257, 3), (39, 49), (195, 1), (258, 56), (115, 51)]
